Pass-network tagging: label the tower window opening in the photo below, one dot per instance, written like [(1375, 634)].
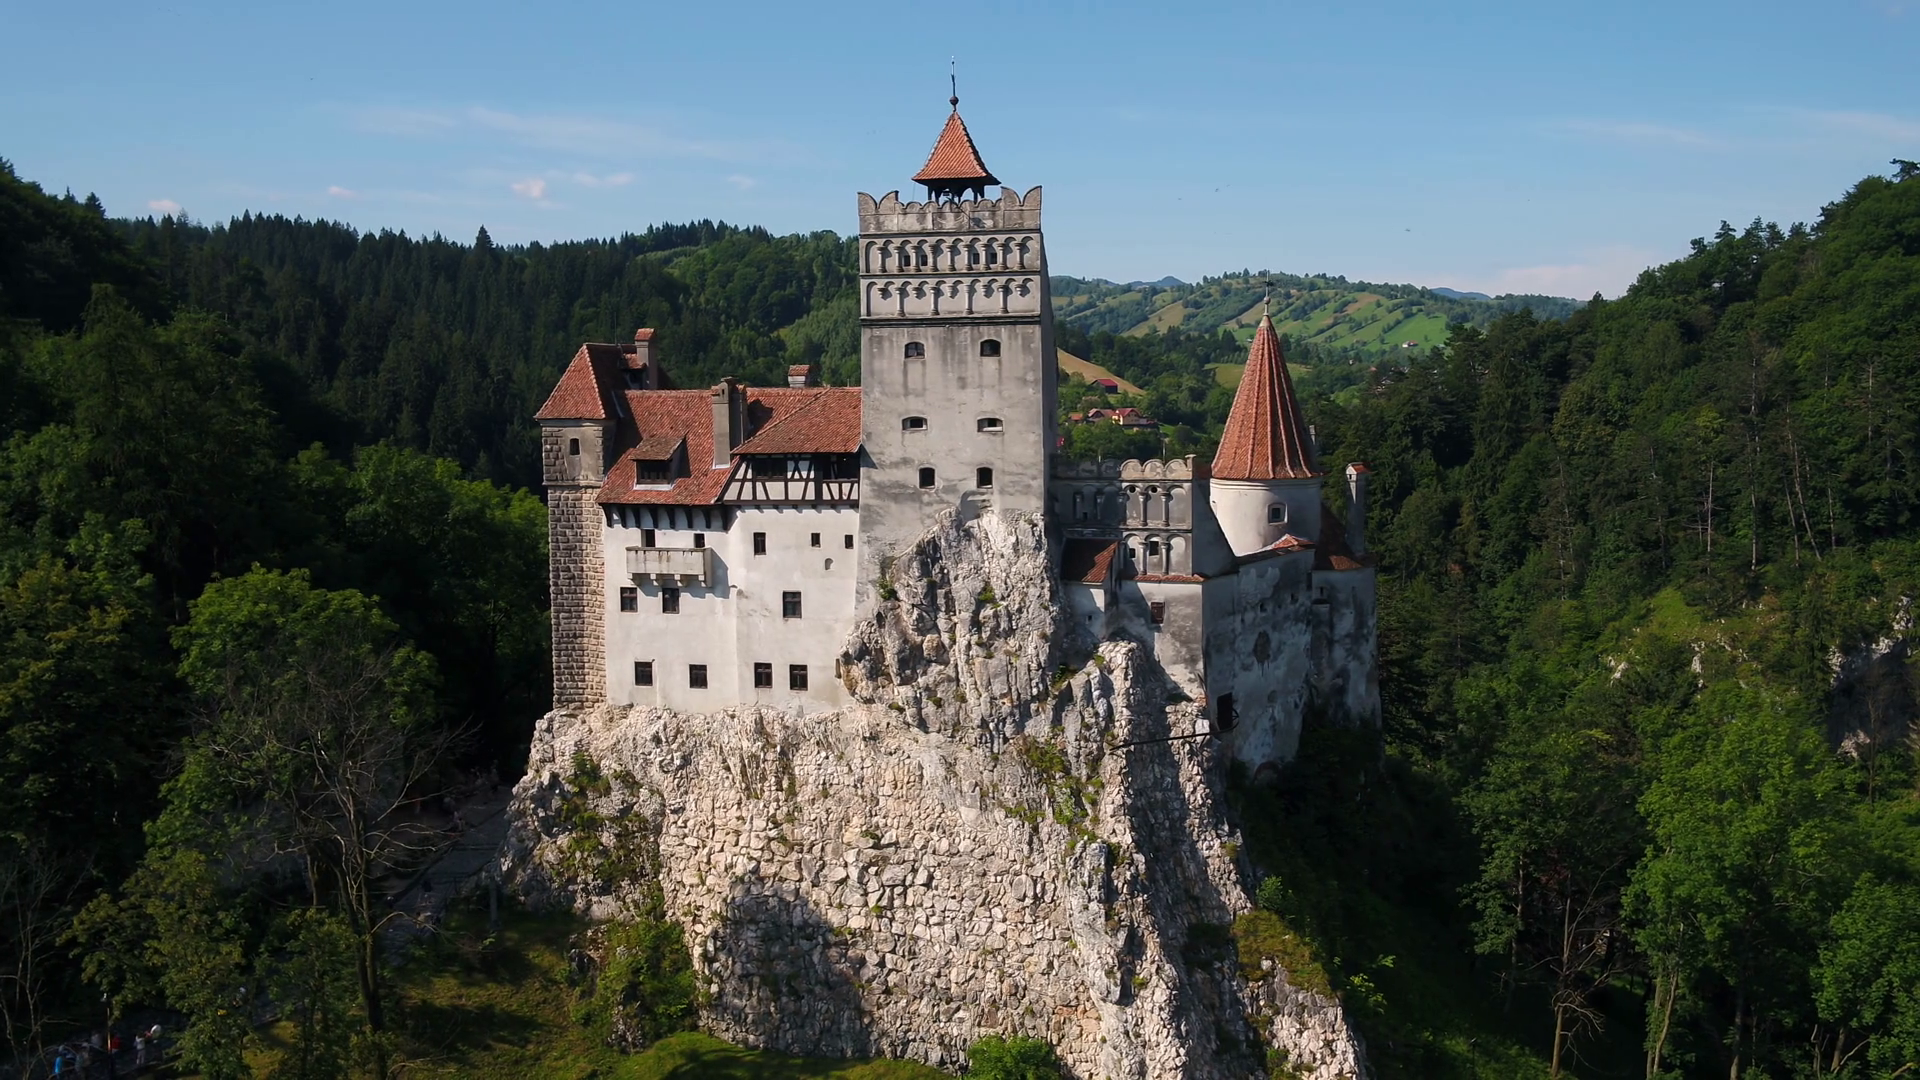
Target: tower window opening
[(991, 423), (916, 350), (973, 256), (573, 447), (990, 255), (926, 476), (990, 347), (759, 543), (983, 477), (815, 541), (1153, 548), (849, 540), (1277, 514), (914, 423), (1223, 714)]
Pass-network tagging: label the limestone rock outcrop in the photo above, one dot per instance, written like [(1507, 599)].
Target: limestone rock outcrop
[(999, 837)]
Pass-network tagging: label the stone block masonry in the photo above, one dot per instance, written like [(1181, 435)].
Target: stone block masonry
[(967, 850), (576, 573)]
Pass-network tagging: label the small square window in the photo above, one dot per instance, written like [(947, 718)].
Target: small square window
[(629, 598), (983, 477), (763, 676), (670, 600), (646, 538), (849, 539), (796, 676), (1153, 547), (926, 476), (699, 540), (816, 540), (697, 676), (1277, 514), (789, 605), (643, 673), (990, 347), (914, 423), (759, 543), (1157, 611)]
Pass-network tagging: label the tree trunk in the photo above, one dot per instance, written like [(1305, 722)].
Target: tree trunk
[(1665, 989)]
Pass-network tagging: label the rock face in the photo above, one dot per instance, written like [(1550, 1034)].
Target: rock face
[(969, 850)]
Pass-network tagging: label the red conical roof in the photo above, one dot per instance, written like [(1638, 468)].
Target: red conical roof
[(955, 162), (1266, 436)]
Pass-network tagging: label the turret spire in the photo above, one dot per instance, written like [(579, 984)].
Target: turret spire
[(954, 167), (1266, 436)]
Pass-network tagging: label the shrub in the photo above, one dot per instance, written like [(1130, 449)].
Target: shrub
[(996, 1057)]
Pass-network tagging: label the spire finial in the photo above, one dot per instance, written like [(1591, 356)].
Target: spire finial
[(1266, 297), (953, 80)]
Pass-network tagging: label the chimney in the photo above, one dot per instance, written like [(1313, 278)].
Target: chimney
[(803, 375), (646, 361), (1357, 474), (727, 421)]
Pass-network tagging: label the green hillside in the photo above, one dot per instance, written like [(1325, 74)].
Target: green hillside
[(1359, 320)]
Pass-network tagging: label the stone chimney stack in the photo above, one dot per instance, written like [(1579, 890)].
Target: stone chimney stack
[(1357, 474), (726, 399), (803, 375), (647, 359)]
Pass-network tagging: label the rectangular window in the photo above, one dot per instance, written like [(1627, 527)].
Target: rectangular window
[(646, 538), (816, 539), (629, 598), (650, 471), (789, 605), (767, 468), (763, 676), (1157, 611), (796, 676), (759, 543), (697, 676), (699, 540), (670, 601), (849, 541), (643, 673)]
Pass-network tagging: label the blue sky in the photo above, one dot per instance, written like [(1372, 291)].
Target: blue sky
[(1549, 147)]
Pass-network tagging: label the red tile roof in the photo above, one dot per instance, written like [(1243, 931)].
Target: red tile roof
[(826, 420), (1266, 435), (954, 156), (1088, 561), (1169, 579), (586, 390)]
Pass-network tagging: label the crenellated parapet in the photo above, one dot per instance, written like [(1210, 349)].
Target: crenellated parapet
[(1010, 212)]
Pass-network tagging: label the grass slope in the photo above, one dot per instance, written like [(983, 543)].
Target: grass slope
[(1370, 319), (1090, 371)]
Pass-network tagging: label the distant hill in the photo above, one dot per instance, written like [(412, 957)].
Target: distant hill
[(1337, 316)]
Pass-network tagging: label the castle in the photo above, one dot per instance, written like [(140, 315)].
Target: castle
[(713, 547)]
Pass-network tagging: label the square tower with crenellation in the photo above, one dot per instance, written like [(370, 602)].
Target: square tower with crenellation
[(958, 372)]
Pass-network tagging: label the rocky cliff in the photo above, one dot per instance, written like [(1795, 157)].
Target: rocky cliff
[(975, 847)]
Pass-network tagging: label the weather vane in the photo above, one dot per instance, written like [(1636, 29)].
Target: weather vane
[(953, 80)]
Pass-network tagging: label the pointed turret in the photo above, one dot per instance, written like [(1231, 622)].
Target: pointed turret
[(1266, 437), (1265, 488), (954, 166)]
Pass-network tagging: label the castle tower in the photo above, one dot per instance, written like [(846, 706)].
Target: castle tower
[(1266, 483), (957, 362), (577, 442)]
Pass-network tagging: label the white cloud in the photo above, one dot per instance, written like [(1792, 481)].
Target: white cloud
[(388, 121), (532, 188), (741, 182), (1638, 132), (339, 192), (1607, 271), (164, 206), (585, 179)]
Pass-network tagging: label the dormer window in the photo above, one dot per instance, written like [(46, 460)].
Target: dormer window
[(991, 423), (990, 347), (652, 472), (914, 423), (916, 350)]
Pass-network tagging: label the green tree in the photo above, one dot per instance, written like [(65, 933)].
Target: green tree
[(996, 1057)]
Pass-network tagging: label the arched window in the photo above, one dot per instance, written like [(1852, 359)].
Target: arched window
[(1277, 514), (991, 423), (914, 423), (990, 347), (983, 477), (926, 476), (915, 350), (573, 447)]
